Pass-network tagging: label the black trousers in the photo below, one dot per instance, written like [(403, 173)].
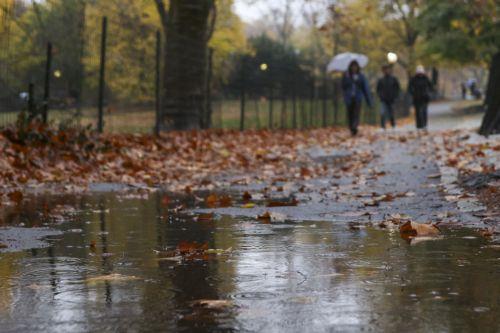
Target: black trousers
[(387, 113), (421, 114), (353, 113)]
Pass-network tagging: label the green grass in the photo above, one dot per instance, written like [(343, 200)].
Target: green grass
[(226, 114)]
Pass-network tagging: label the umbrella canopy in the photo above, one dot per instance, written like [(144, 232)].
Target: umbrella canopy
[(342, 61)]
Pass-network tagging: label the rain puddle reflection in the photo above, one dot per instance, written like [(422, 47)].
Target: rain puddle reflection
[(125, 264)]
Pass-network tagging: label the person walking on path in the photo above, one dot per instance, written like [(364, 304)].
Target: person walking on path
[(355, 88), (420, 88), (388, 90)]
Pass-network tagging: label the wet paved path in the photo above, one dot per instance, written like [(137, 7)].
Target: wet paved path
[(314, 270)]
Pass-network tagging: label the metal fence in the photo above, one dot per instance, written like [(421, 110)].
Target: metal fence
[(98, 73)]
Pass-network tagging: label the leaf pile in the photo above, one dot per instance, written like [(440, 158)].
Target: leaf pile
[(177, 161)]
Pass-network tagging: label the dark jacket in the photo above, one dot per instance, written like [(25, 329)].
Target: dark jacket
[(356, 89), (420, 88), (388, 89)]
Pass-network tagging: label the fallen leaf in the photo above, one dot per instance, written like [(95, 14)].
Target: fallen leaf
[(212, 304), (16, 196), (247, 196), (266, 217), (112, 278), (211, 201), (208, 217), (412, 229), (218, 251), (291, 203), (248, 205)]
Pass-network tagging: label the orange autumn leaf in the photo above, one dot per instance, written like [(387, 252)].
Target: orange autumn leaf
[(413, 229), (16, 196)]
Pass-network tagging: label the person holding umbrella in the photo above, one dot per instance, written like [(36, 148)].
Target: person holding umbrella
[(355, 87)]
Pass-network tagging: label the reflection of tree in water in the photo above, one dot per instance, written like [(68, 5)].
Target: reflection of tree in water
[(106, 265), (169, 299)]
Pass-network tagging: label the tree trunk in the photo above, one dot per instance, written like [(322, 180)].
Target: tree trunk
[(185, 74), (491, 120)]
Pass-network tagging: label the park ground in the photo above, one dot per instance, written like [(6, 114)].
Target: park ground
[(256, 231)]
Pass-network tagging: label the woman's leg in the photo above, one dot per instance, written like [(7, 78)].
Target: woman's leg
[(418, 118), (425, 111), (350, 114), (356, 115)]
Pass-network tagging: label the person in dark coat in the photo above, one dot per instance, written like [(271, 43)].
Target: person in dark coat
[(388, 90), (355, 88), (420, 88)]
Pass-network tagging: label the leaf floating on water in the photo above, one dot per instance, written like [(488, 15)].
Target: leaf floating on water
[(413, 229), (265, 218), (191, 247), (219, 251), (487, 233), (214, 201), (208, 217), (212, 304), (269, 217), (112, 278), (211, 201), (292, 203)]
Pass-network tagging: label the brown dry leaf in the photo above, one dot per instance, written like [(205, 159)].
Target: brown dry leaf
[(186, 247), (292, 203), (3, 246), (16, 196), (412, 229), (211, 201), (265, 218), (487, 233), (225, 201), (111, 278), (247, 196), (212, 304), (207, 217)]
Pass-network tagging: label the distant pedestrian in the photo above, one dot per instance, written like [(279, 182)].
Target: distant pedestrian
[(420, 88), (355, 88), (388, 90), (463, 87)]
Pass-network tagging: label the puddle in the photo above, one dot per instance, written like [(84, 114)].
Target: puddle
[(108, 272)]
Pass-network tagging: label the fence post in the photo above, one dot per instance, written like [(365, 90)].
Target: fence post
[(242, 98), (31, 100), (335, 101), (283, 113), (271, 111), (294, 104), (158, 83), (312, 109), (46, 95), (207, 117), (102, 72), (324, 101)]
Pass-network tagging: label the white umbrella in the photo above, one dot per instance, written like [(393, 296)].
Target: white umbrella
[(342, 61)]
